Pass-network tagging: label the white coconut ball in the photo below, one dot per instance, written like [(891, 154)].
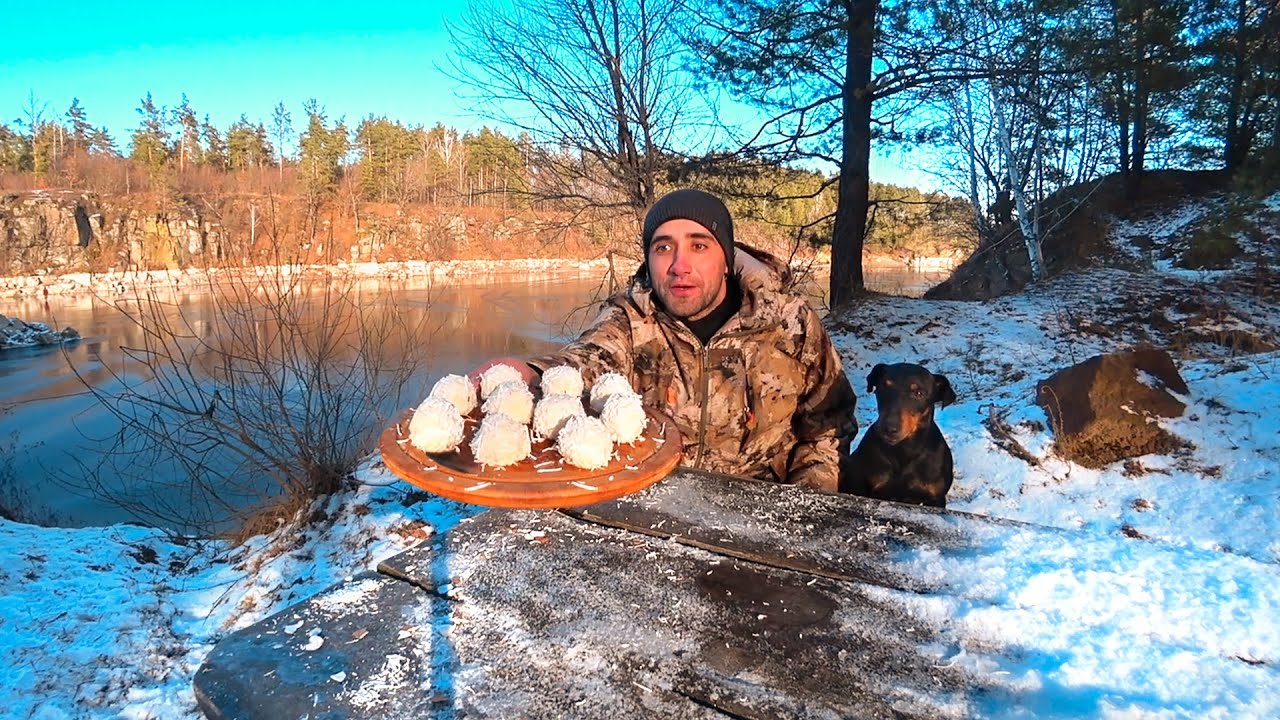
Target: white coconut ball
[(610, 383), (562, 380), (500, 440), (553, 411), (458, 390), (436, 426), (511, 398), (625, 417), (584, 442), (496, 375)]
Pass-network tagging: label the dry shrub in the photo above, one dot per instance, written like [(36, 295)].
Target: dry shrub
[(232, 420), (1213, 246)]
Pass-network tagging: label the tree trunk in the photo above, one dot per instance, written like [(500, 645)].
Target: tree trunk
[(1235, 147), (855, 158), (1026, 223), (1138, 157), (985, 233)]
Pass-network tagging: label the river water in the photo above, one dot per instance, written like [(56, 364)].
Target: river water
[(52, 431)]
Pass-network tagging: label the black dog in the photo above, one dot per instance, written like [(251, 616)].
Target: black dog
[(903, 456)]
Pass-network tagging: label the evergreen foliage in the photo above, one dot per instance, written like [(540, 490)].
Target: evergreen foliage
[(151, 146), (321, 150), (247, 145), (605, 105)]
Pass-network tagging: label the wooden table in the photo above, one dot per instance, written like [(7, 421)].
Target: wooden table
[(700, 597)]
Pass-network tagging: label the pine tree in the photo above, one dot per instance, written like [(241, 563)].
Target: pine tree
[(33, 122), (494, 163), (150, 139), (188, 147), (282, 127), (215, 155), (247, 145), (321, 150), (15, 152), (1237, 75), (47, 149), (1136, 56), (101, 143), (81, 130), (385, 149)]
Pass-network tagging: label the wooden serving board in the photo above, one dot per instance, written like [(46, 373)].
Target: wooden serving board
[(542, 480)]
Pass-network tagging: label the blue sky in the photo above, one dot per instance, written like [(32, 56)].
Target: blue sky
[(233, 57), (375, 57)]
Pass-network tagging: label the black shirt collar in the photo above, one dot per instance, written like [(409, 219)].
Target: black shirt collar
[(705, 328)]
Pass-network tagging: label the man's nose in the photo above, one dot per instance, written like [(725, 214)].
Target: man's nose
[(680, 262)]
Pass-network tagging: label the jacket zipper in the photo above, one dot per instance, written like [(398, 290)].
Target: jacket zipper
[(702, 403), (705, 389)]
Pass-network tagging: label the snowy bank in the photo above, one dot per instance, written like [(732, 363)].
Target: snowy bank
[(15, 333)]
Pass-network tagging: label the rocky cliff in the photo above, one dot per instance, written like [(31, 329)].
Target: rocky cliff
[(62, 231)]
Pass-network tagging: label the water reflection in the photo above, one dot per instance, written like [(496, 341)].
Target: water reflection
[(59, 431)]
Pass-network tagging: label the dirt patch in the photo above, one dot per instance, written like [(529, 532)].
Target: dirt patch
[(1103, 410), (1079, 222)]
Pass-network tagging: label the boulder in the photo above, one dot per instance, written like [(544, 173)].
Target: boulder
[(15, 333), (1104, 409)]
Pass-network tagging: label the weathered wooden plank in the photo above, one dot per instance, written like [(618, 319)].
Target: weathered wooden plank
[(534, 614), (734, 599), (327, 658), (701, 597), (837, 536), (555, 618)]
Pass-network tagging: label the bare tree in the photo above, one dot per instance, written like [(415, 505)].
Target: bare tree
[(1019, 136), (599, 85), (254, 409)]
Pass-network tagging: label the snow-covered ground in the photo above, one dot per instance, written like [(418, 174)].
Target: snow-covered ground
[(114, 622), (15, 333)]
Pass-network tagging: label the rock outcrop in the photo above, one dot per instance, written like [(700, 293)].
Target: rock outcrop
[(15, 333), (1105, 408), (63, 231)]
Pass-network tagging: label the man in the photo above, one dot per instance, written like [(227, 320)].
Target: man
[(707, 334)]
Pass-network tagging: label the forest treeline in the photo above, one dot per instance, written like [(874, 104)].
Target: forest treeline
[(326, 162), (1013, 101), (605, 105)]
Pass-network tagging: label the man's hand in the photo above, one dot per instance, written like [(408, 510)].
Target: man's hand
[(526, 371)]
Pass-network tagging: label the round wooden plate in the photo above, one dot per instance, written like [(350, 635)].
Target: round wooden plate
[(541, 480)]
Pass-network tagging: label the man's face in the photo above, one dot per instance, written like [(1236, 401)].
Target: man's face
[(687, 266)]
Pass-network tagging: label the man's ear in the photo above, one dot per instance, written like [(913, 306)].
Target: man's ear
[(942, 393), (875, 376)]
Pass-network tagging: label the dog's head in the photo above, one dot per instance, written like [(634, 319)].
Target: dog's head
[(905, 397)]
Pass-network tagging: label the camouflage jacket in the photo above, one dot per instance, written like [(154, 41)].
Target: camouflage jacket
[(766, 398)]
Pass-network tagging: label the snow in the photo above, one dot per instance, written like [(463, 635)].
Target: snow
[(15, 333), (1181, 550)]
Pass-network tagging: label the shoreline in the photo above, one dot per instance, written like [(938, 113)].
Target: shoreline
[(115, 282)]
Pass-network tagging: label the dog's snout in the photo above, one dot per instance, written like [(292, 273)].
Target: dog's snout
[(893, 424)]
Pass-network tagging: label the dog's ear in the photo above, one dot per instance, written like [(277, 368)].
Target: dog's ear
[(942, 393), (875, 376)]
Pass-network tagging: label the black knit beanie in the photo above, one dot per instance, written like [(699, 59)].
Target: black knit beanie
[(701, 207)]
